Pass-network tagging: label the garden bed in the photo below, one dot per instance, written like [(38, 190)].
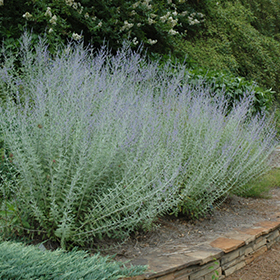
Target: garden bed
[(179, 234), (179, 243)]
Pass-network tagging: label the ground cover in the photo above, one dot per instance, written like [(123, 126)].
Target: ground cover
[(29, 262)]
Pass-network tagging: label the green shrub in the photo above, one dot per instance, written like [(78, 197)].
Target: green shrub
[(29, 262), (233, 38), (266, 16), (233, 88), (155, 23), (266, 21)]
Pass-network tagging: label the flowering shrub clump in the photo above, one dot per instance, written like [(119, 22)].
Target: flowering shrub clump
[(103, 144), (148, 21)]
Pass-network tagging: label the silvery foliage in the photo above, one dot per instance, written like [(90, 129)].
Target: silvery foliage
[(106, 143)]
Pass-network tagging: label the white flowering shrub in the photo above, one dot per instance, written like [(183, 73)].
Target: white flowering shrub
[(154, 23), (104, 144)]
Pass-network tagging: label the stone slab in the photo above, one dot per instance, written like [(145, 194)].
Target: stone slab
[(233, 262), (230, 257), (164, 265), (256, 254), (206, 253), (205, 269), (185, 272), (272, 236), (234, 268), (247, 250), (269, 225), (247, 238), (227, 244), (256, 231), (167, 277)]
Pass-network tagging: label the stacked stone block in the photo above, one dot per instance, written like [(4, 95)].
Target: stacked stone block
[(218, 258)]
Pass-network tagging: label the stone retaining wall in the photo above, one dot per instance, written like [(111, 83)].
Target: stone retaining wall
[(220, 257)]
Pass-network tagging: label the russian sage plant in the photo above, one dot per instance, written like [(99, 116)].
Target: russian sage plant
[(104, 144)]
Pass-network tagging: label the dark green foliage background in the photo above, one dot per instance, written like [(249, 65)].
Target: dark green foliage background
[(241, 37)]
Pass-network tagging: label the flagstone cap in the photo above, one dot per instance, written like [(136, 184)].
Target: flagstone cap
[(227, 244), (269, 225), (164, 263), (259, 229)]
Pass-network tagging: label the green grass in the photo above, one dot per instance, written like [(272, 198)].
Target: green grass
[(260, 188)]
